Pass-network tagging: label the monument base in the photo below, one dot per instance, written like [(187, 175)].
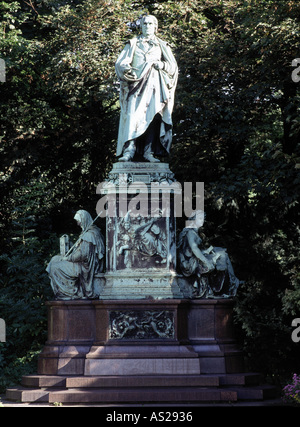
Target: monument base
[(140, 351)]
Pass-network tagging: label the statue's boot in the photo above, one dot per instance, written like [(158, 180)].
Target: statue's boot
[(125, 158), (150, 158), (128, 152), (148, 154)]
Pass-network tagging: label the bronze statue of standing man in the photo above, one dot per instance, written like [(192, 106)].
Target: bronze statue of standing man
[(148, 73)]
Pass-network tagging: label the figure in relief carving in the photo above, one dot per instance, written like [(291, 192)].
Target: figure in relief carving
[(141, 324), (151, 240), (72, 275), (148, 73), (210, 269), (140, 240), (127, 240)]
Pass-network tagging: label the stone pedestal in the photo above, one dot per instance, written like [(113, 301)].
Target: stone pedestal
[(141, 232), (149, 337)]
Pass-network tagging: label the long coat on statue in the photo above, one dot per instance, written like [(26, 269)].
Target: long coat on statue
[(146, 91)]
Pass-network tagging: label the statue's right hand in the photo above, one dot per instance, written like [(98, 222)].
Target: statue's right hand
[(159, 65), (210, 266), (132, 74)]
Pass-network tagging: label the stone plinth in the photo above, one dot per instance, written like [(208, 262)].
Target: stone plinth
[(140, 337), (140, 232), (140, 172)]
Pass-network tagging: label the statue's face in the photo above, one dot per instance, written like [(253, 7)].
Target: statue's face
[(199, 219), (78, 220), (148, 27), (79, 223)]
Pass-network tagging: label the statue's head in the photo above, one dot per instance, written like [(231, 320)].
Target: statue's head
[(126, 221), (196, 220), (155, 229), (83, 219), (149, 25)]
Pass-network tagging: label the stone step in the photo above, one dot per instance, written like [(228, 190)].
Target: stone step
[(172, 394), (142, 389), (262, 392), (207, 380), (143, 381), (43, 381), (241, 379), (135, 395), (21, 394), (108, 395)]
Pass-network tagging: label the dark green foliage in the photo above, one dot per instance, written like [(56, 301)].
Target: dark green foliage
[(236, 127), (24, 288)]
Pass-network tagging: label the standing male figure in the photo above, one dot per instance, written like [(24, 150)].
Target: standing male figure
[(148, 73)]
